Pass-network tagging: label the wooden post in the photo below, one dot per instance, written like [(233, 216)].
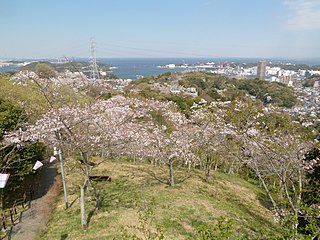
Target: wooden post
[(3, 221), (82, 208), (15, 209), (11, 217)]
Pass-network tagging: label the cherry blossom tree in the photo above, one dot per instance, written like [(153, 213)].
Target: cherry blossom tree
[(213, 135), (271, 145), (237, 134), (172, 151), (104, 125), (165, 139), (274, 148)]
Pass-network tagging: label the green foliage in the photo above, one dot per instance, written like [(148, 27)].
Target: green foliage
[(151, 94), (16, 160), (215, 95), (184, 103), (45, 71), (292, 67), (220, 88), (223, 229), (311, 194), (106, 96), (310, 227), (184, 83), (289, 230), (19, 167), (281, 94), (159, 119), (10, 116), (25, 95)]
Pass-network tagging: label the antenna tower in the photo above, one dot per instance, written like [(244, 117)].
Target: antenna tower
[(94, 74)]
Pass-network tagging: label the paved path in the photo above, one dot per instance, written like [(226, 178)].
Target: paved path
[(35, 218)]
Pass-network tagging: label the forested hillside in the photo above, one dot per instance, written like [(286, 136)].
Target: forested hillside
[(213, 87)]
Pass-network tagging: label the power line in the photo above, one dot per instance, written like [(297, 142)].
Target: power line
[(139, 49)]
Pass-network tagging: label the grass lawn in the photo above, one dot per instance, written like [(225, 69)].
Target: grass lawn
[(178, 210)]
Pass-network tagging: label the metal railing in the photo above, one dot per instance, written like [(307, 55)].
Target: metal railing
[(13, 216)]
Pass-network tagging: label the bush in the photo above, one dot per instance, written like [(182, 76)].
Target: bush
[(223, 229)]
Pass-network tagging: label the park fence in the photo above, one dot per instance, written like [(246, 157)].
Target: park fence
[(12, 216)]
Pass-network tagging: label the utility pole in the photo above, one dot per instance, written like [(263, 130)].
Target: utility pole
[(94, 74), (63, 178), (59, 152)]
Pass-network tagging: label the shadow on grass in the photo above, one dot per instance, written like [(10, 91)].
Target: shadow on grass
[(265, 202), (73, 202), (254, 220), (64, 236), (210, 180), (90, 215), (160, 176)]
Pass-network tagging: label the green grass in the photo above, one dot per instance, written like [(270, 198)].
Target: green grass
[(178, 210)]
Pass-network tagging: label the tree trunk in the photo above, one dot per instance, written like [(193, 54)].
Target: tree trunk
[(274, 204), (216, 165), (171, 174), (208, 171), (207, 176), (299, 194), (82, 207)]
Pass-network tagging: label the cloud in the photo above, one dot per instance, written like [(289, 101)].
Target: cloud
[(303, 14)]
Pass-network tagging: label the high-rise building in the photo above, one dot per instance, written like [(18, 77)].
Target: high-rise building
[(261, 71)]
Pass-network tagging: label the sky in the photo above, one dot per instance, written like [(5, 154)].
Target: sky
[(160, 28)]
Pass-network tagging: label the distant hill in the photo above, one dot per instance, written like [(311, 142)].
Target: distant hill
[(71, 66)]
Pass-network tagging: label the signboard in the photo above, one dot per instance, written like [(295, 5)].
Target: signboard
[(55, 151), (37, 165), (3, 180), (52, 159)]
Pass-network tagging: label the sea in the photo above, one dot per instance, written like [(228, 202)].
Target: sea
[(130, 68)]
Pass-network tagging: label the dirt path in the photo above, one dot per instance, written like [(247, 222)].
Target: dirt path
[(35, 219)]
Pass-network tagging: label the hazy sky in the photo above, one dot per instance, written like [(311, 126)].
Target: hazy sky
[(160, 28)]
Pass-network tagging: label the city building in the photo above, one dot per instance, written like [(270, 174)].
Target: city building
[(261, 71)]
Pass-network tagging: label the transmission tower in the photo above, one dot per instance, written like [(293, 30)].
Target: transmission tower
[(94, 74)]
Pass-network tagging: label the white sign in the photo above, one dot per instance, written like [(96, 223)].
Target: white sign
[(3, 180), (37, 165), (52, 159), (55, 151)]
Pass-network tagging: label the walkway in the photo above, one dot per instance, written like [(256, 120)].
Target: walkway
[(36, 217)]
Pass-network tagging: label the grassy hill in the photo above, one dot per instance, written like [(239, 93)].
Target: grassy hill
[(177, 211)]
